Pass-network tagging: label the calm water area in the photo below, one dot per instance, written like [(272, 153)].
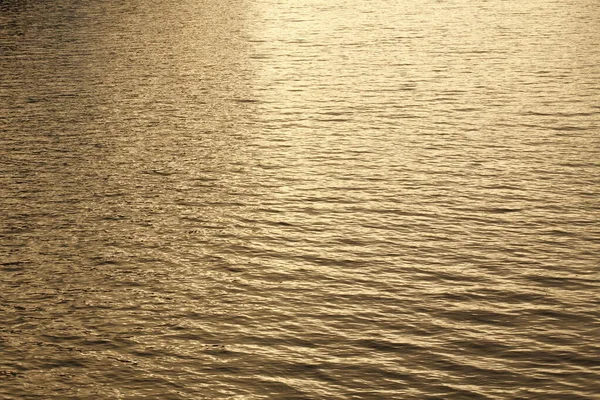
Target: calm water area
[(308, 199)]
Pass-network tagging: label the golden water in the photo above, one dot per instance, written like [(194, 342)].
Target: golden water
[(302, 199)]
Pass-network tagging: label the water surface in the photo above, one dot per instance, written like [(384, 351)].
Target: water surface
[(299, 200)]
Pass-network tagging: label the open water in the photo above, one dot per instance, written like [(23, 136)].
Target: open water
[(308, 199)]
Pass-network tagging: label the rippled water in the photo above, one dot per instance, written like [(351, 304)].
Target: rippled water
[(299, 200)]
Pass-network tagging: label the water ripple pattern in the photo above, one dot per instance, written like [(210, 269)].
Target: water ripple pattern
[(269, 199)]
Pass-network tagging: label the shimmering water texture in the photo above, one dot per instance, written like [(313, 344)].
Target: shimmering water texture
[(308, 199)]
